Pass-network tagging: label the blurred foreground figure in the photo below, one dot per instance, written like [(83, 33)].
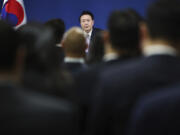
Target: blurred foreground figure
[(43, 71), (58, 27), (74, 45), (122, 84), (22, 111), (157, 113)]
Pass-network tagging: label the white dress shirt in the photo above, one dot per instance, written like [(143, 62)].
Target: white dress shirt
[(88, 39)]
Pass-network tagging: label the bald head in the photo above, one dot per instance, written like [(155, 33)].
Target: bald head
[(74, 42)]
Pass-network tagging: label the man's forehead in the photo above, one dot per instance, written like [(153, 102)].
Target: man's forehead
[(86, 16)]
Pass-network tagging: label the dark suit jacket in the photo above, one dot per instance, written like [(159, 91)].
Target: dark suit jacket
[(74, 67), (86, 82), (94, 32), (157, 113), (121, 85), (32, 113)]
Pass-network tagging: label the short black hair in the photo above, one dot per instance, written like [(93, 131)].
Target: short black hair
[(124, 30), (86, 12), (9, 44), (163, 20), (58, 27)]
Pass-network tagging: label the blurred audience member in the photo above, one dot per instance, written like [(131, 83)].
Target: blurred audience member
[(74, 45), (42, 64), (58, 27), (122, 39), (157, 113), (122, 84), (24, 112)]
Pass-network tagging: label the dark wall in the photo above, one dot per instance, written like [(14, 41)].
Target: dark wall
[(69, 10)]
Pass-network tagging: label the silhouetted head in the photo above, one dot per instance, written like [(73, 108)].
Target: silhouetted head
[(163, 21), (123, 27), (42, 54), (58, 27)]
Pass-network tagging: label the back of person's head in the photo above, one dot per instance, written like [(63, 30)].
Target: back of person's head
[(86, 12), (58, 27), (96, 49), (9, 44), (123, 27), (136, 15), (42, 54), (163, 20), (74, 42), (43, 71)]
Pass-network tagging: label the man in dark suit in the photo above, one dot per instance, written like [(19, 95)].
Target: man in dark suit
[(22, 111), (157, 113), (121, 85), (86, 20)]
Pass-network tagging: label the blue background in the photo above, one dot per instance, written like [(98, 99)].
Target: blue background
[(69, 10)]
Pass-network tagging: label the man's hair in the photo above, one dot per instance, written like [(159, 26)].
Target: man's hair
[(123, 27), (163, 20), (9, 44), (74, 41), (135, 14), (86, 12), (42, 54), (58, 27)]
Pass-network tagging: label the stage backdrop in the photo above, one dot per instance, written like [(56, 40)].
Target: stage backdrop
[(69, 10)]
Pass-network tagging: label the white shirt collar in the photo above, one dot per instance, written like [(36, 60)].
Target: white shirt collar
[(90, 33), (58, 45), (74, 60), (159, 49), (110, 56)]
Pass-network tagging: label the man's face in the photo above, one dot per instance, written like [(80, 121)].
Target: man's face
[(86, 23)]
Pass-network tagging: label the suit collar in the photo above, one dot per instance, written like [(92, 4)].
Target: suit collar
[(90, 33), (73, 60)]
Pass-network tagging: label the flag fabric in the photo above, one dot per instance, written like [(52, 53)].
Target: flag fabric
[(13, 12)]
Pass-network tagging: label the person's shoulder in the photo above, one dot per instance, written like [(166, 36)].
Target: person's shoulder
[(122, 67), (45, 102)]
